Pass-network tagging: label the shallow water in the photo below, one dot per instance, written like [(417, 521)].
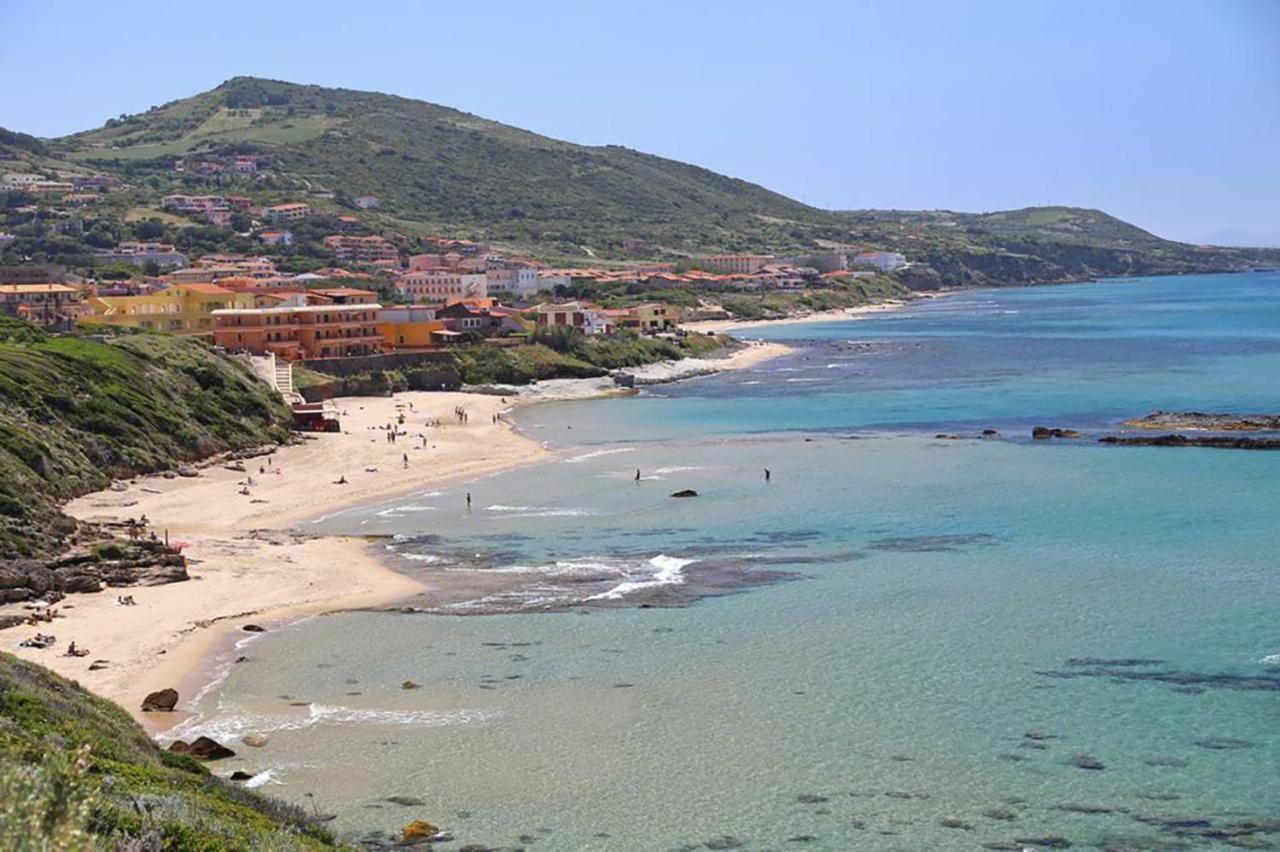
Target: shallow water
[(932, 602)]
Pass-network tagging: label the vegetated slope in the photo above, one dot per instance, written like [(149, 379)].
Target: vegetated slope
[(439, 169), (76, 413), (76, 772)]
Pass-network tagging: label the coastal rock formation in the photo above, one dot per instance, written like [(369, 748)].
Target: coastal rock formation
[(115, 562), (1042, 433), (687, 492), (203, 748), (163, 701), (418, 830), (1223, 442), (1207, 422)]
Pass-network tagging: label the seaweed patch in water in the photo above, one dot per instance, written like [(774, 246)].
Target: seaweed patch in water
[(932, 543)]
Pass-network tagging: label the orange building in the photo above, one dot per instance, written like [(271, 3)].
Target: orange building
[(294, 332)]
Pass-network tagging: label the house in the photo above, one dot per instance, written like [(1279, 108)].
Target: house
[(885, 261), (583, 316), (44, 304), (293, 212), (293, 333), (411, 327), (649, 318), (362, 249), (179, 309), (140, 254), (343, 296), (18, 181), (368, 202), (442, 285), (510, 276), (276, 238), (740, 264), (213, 208), (346, 223), (481, 316)]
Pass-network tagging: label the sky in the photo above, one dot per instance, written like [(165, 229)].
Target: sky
[(1165, 113)]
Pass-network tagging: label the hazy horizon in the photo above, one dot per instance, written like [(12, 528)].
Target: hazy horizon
[(1162, 114)]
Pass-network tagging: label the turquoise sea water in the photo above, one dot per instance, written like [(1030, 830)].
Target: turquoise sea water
[(953, 643)]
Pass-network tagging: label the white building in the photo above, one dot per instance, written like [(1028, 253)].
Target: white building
[(885, 261), (441, 285), (511, 277)]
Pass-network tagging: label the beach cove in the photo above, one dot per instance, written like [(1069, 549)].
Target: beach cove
[(251, 564)]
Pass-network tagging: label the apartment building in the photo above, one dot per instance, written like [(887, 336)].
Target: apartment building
[(301, 332), (293, 212), (362, 249), (442, 285)]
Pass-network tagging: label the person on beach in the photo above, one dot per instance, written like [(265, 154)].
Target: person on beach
[(468, 501), (341, 480), (637, 474), (406, 461)]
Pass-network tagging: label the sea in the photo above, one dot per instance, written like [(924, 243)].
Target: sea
[(922, 630)]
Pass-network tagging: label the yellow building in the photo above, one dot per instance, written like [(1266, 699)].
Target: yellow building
[(409, 327), (180, 309)]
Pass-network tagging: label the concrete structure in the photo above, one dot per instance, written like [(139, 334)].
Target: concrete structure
[(737, 264), (48, 304), (442, 285), (514, 277), (482, 317), (293, 212), (885, 261), (276, 238), (584, 317), (362, 249), (410, 327), (180, 309), (140, 254), (649, 318), (292, 333)]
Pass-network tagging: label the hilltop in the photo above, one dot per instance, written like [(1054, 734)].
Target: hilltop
[(435, 169)]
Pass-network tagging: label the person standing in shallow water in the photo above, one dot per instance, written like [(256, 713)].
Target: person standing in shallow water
[(468, 501), (637, 474), (768, 475)]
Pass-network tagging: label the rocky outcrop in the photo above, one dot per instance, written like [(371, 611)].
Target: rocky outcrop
[(1042, 433), (163, 701), (418, 831), (1200, 420), (203, 748), (117, 562), (687, 492), (1222, 442)]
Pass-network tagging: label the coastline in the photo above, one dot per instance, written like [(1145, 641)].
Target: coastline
[(834, 315), (249, 561)]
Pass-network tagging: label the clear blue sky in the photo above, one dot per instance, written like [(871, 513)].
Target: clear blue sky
[(1163, 112)]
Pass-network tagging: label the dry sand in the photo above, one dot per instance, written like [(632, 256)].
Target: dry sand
[(247, 564), (835, 315)]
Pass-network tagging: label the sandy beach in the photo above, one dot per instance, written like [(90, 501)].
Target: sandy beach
[(248, 563)]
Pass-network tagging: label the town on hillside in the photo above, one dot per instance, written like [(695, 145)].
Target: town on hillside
[(378, 291)]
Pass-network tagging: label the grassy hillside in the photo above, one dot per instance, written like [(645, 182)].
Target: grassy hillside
[(76, 413), (437, 169), (76, 772)]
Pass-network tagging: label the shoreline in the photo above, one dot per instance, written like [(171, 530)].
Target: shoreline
[(833, 315), (249, 560)]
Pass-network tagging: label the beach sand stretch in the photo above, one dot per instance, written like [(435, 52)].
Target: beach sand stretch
[(833, 315), (248, 561)]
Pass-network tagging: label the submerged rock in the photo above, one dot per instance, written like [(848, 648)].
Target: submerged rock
[(255, 740), (418, 830), (686, 492), (1084, 761)]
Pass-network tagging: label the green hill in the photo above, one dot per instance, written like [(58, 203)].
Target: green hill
[(439, 170), (76, 413), (76, 773)]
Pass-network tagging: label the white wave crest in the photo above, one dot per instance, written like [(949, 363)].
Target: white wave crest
[(670, 572), (597, 453)]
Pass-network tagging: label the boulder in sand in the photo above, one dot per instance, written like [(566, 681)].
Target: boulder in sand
[(162, 701)]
